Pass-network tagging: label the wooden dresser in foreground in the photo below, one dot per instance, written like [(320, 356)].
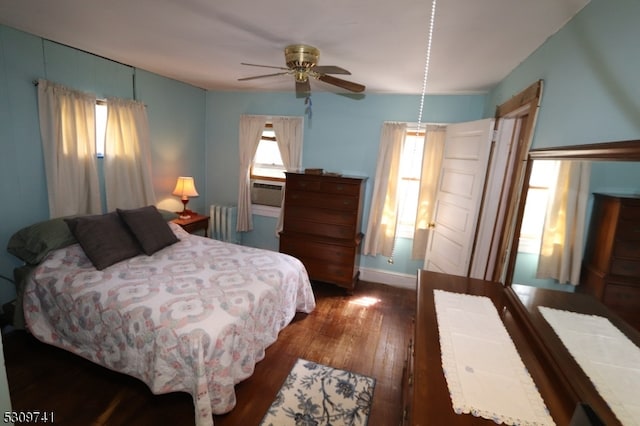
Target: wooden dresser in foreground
[(426, 399), (563, 385), (322, 225), (611, 269)]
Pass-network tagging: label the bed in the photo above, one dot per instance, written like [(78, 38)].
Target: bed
[(193, 316)]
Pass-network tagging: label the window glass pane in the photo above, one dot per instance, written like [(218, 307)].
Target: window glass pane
[(409, 190), (101, 128), (409, 184), (543, 173), (534, 212), (411, 161), (267, 161), (543, 176)]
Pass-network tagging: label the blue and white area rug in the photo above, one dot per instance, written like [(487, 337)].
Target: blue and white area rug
[(314, 394)]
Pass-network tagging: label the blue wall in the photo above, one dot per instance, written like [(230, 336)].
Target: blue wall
[(341, 136), (590, 72), (176, 119), (591, 94)]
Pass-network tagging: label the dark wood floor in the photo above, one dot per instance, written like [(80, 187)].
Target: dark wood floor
[(342, 332)]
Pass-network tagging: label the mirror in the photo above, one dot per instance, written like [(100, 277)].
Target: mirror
[(614, 168), (604, 177), (623, 157)]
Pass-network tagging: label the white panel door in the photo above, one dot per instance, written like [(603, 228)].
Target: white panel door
[(495, 198), (460, 187)]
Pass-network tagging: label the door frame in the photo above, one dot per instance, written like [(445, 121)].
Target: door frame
[(524, 108)]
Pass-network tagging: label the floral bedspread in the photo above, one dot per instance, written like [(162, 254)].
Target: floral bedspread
[(194, 317)]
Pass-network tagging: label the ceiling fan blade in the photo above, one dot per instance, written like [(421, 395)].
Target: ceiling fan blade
[(303, 87), (330, 69), (263, 66), (351, 86), (262, 76)]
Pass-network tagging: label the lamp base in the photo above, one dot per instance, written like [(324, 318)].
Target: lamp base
[(185, 213)]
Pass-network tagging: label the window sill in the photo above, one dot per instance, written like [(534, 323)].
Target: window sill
[(262, 210)]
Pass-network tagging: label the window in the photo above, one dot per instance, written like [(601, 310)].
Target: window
[(101, 127), (267, 173), (409, 182), (543, 177), (267, 163)]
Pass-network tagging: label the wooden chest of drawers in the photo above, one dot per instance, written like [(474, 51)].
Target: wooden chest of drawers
[(611, 269), (322, 222)]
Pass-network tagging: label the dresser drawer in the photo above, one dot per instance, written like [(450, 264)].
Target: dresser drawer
[(330, 272), (328, 230), (627, 248), (302, 183), (304, 248), (625, 267), (628, 231), (621, 297), (630, 210), (327, 201), (332, 187), (315, 214)]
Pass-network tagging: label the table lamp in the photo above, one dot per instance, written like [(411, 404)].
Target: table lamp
[(185, 188)]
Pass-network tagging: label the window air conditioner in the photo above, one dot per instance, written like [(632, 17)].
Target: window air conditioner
[(266, 193)]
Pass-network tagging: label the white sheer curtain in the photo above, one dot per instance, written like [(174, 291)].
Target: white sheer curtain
[(563, 234), (431, 164), (288, 132), (383, 214), (250, 132), (127, 158), (67, 128)]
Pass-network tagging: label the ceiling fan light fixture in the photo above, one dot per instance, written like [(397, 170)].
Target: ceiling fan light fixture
[(301, 76), (301, 56)]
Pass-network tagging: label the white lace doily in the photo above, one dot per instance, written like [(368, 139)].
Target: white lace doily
[(607, 357), (484, 372)]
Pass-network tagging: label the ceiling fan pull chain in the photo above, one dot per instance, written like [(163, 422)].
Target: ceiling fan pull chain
[(427, 62), (421, 107), (307, 101)]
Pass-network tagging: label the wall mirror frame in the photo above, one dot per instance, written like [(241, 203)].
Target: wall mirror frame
[(572, 384)]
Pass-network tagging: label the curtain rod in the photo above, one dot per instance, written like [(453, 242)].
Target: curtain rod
[(99, 100)]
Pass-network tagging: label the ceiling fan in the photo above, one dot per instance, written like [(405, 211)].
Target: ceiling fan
[(302, 63)]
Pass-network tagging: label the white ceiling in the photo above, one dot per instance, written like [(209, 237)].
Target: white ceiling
[(476, 43)]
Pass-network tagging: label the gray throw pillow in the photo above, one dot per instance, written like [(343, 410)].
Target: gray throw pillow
[(149, 227), (105, 238)]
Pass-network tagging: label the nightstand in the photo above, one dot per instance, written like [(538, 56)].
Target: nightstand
[(196, 222)]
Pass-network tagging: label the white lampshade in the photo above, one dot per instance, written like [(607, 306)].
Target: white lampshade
[(185, 187)]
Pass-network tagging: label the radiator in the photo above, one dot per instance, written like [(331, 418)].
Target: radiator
[(223, 223)]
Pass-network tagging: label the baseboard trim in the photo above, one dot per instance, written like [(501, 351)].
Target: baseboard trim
[(394, 279)]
